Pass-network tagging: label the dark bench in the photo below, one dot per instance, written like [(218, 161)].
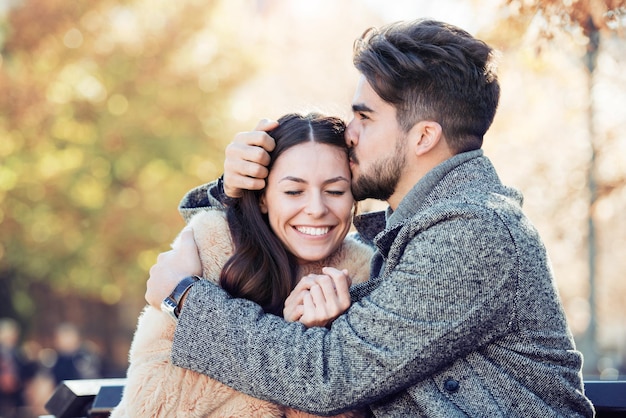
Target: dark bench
[(608, 397), (96, 398)]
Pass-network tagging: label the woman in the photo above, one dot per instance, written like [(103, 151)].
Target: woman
[(294, 227)]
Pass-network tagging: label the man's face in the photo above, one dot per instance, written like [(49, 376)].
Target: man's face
[(377, 145)]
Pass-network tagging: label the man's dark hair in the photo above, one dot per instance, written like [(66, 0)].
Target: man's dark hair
[(261, 269), (431, 70)]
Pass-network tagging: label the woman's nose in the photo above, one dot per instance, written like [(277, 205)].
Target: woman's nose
[(315, 206)]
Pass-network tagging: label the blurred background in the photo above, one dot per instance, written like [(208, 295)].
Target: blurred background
[(111, 110)]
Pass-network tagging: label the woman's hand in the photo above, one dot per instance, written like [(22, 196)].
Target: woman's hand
[(318, 299)]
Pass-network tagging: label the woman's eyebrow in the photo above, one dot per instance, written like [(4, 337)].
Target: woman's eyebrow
[(327, 181), (336, 179), (292, 178)]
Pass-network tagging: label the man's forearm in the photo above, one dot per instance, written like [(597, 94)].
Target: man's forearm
[(230, 351)]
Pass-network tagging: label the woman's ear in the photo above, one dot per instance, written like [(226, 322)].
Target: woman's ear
[(428, 134), (263, 204)]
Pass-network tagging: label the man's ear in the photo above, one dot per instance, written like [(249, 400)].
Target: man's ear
[(263, 204), (428, 134)]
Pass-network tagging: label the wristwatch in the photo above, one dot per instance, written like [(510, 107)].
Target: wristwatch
[(170, 304)]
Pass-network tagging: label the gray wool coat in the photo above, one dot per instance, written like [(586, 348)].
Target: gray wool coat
[(460, 317)]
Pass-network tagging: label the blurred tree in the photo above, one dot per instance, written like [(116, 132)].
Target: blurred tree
[(109, 112), (586, 22)]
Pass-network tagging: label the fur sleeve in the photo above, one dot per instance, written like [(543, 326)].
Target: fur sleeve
[(154, 386), (212, 236)]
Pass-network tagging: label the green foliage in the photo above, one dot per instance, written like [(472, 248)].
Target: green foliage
[(109, 112)]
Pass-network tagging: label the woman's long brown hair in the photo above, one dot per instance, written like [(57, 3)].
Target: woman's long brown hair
[(261, 269)]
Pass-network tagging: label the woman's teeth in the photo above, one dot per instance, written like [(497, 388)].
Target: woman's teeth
[(308, 230)]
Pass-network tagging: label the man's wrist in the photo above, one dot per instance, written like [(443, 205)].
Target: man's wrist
[(173, 303), (182, 300)]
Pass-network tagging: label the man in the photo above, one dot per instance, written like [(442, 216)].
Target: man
[(460, 316)]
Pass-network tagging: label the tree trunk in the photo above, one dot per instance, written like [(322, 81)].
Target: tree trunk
[(589, 343)]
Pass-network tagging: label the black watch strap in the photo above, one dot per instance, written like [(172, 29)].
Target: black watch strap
[(170, 304)]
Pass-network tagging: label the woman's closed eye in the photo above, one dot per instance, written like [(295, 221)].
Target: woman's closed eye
[(336, 192), (330, 192)]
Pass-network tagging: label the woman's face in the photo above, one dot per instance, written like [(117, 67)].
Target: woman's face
[(308, 200)]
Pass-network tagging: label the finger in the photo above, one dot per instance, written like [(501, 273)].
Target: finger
[(243, 175), (341, 281), (233, 186), (295, 297), (183, 259), (305, 283), (318, 297), (266, 125), (258, 138), (245, 163), (330, 305), (160, 257), (327, 288), (308, 311), (161, 280), (293, 313), (250, 146), (234, 168), (187, 242)]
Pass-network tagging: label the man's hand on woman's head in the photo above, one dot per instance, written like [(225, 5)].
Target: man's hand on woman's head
[(318, 299), (247, 158), (171, 267)]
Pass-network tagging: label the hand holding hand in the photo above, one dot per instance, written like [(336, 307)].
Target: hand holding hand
[(171, 267), (318, 299), (246, 159)]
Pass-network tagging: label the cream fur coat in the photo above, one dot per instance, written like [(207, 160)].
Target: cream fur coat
[(156, 388)]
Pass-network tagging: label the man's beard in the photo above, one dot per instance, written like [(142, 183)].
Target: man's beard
[(382, 179)]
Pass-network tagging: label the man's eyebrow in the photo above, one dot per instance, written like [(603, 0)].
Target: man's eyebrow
[(360, 107)]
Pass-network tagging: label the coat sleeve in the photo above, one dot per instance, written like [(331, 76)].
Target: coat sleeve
[(403, 331), (207, 196)]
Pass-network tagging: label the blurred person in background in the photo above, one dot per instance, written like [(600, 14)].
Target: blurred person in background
[(74, 359), (16, 370)]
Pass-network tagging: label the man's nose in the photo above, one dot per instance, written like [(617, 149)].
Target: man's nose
[(350, 134)]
